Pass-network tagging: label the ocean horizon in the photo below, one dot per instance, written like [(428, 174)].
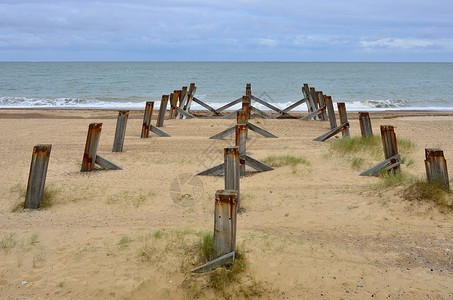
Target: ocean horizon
[(128, 85)]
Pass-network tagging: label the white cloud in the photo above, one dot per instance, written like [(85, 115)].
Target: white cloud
[(267, 42), (399, 43)]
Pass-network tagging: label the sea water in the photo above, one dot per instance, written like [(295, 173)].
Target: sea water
[(128, 85)]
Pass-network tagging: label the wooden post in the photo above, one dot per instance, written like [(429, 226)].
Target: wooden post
[(314, 100), (182, 101), (241, 140), (322, 103), (436, 168), (331, 112), (343, 118), (241, 118), (174, 98), (120, 131), (365, 124), (37, 176), (91, 147), (389, 142), (147, 119), (232, 170), (162, 111), (225, 213), (306, 93)]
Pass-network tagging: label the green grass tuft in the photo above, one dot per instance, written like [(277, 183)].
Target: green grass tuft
[(421, 190), (284, 160), (206, 246)]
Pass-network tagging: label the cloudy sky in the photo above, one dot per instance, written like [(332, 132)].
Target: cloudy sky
[(227, 30)]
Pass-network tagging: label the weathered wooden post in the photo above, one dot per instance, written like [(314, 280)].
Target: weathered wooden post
[(162, 111), (174, 98), (365, 124), (314, 100), (322, 103), (436, 168), (331, 112), (343, 118), (389, 141), (147, 119), (120, 131), (91, 147), (232, 170), (241, 140), (392, 160), (37, 176), (225, 213)]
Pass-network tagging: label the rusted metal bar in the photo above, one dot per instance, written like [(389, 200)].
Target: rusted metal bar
[(436, 168), (219, 261), (260, 131), (331, 112), (37, 176), (234, 102), (91, 147), (256, 164), (314, 114), (162, 111), (225, 214), (120, 131), (147, 119), (389, 141), (174, 98), (343, 118), (387, 165), (322, 103), (332, 132), (291, 107), (365, 124), (196, 100), (248, 90), (232, 169), (241, 142)]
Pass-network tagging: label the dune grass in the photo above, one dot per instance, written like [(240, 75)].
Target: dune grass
[(421, 190), (284, 160), (48, 199), (361, 151)]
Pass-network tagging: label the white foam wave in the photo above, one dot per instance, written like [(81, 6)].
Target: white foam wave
[(61, 102)]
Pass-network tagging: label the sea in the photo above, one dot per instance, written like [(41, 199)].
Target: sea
[(128, 85)]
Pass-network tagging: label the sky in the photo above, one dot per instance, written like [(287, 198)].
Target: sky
[(227, 30)]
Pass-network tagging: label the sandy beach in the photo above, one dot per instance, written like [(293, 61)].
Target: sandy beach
[(314, 230)]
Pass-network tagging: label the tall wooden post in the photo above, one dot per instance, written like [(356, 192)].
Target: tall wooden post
[(306, 93), (174, 98), (182, 101), (241, 140), (91, 147), (232, 170), (162, 111), (120, 131), (389, 142), (147, 119), (331, 112), (241, 118), (436, 168), (225, 213), (314, 100), (365, 124), (343, 118), (322, 103), (37, 176)]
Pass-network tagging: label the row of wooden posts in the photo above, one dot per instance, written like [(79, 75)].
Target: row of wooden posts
[(227, 202)]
